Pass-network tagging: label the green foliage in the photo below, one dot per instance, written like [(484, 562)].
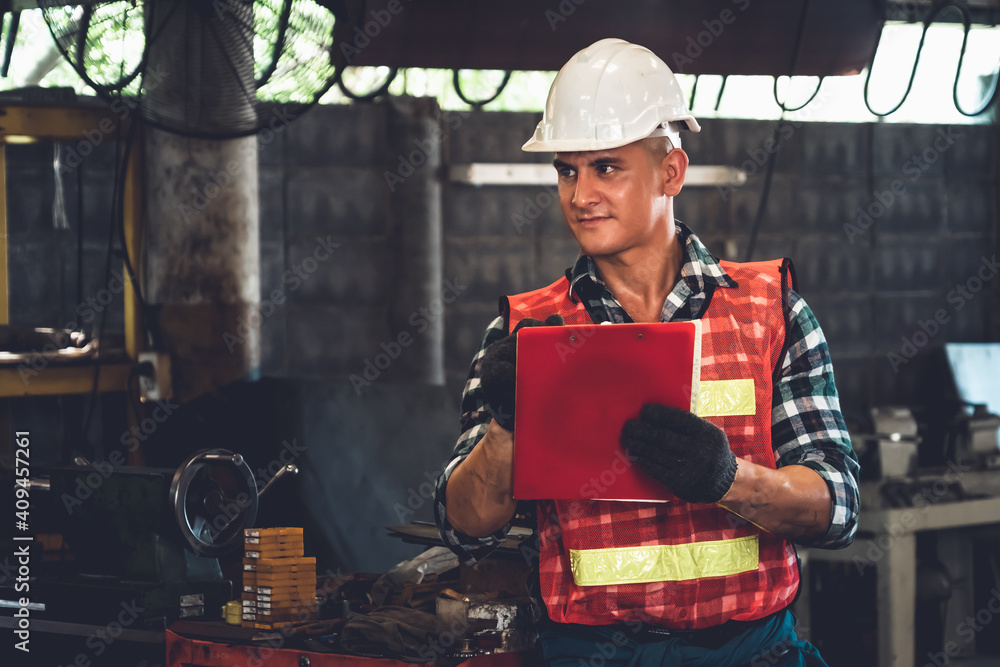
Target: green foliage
[(115, 44)]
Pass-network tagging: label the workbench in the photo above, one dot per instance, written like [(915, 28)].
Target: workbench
[(185, 651), (887, 541)]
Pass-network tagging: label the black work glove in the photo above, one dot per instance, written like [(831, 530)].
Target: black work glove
[(681, 451), (497, 371)]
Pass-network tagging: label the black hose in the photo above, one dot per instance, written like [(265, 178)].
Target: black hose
[(477, 104)]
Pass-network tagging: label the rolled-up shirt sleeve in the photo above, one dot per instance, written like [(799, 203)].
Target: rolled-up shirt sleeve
[(807, 426), (474, 421)]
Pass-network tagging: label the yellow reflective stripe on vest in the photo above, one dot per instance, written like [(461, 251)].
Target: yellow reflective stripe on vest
[(667, 562), (726, 398)]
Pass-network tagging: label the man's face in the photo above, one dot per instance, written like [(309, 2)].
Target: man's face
[(613, 200)]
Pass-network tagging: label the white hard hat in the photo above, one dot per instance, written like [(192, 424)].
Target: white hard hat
[(611, 94)]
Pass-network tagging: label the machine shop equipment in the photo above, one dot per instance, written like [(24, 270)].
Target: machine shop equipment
[(146, 537), (490, 626), (493, 608), (948, 437), (928, 544)]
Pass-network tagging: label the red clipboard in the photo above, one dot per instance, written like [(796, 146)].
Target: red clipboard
[(576, 388)]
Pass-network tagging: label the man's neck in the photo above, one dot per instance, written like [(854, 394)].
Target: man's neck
[(642, 278)]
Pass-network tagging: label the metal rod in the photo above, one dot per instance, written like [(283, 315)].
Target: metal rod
[(290, 469), (235, 459)]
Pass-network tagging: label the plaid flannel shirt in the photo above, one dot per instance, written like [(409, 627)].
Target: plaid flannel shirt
[(807, 427)]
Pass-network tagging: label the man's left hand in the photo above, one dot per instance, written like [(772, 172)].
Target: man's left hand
[(681, 451)]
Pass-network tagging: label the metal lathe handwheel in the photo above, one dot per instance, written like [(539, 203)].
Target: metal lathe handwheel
[(214, 497)]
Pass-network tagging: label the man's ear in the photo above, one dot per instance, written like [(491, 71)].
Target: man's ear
[(673, 169)]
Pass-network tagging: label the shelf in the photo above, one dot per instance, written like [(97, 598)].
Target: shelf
[(55, 380)]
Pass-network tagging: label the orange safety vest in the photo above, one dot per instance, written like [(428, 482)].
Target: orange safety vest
[(675, 564)]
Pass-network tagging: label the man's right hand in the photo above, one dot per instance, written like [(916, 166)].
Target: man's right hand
[(498, 371), (480, 497)]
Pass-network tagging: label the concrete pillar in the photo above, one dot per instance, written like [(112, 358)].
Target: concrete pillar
[(202, 263), (415, 145)]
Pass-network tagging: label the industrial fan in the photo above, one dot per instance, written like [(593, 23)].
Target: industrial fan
[(214, 69)]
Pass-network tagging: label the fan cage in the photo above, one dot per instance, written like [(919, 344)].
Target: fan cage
[(115, 51)]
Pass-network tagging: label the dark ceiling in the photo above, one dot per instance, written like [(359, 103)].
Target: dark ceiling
[(704, 37)]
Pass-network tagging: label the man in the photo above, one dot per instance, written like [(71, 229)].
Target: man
[(719, 569)]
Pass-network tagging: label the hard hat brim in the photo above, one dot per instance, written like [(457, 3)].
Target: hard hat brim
[(536, 145)]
